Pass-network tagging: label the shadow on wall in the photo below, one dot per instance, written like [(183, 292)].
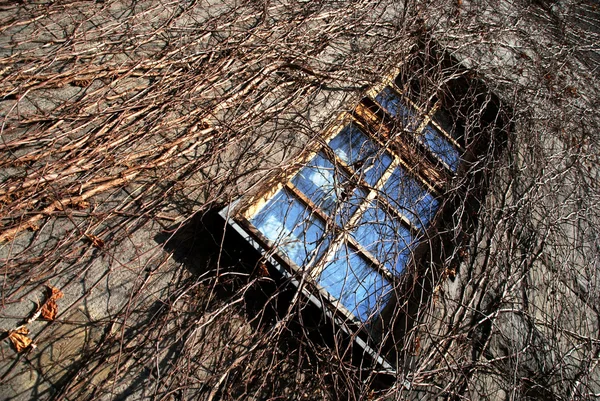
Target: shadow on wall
[(226, 263), (235, 275)]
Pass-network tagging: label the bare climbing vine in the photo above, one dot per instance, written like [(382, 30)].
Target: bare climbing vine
[(125, 125)]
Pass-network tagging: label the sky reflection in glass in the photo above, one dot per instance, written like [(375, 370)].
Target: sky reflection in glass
[(328, 188), (351, 280), (393, 104), (384, 237), (353, 147), (441, 146), (410, 197), (289, 224)]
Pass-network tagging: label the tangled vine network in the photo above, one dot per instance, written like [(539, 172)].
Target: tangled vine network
[(126, 124)]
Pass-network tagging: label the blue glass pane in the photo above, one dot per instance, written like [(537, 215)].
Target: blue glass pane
[(409, 196), (350, 279), (362, 154), (385, 237), (393, 104), (289, 225), (328, 188), (321, 182), (440, 145)]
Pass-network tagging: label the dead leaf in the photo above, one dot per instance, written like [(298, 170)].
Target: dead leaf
[(96, 242), (7, 238), (82, 205), (82, 83), (263, 271), (19, 338), (417, 346), (572, 91), (6, 199), (55, 293), (49, 309)]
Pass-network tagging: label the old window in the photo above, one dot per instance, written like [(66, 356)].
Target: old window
[(380, 196), (350, 218)]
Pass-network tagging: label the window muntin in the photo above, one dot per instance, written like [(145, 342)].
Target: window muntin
[(355, 149), (328, 188), (385, 237), (410, 197), (440, 146), (392, 102), (292, 227), (356, 211)]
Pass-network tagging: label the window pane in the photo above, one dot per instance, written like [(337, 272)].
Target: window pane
[(328, 188), (393, 104), (409, 196), (440, 145), (385, 237), (362, 154), (290, 225), (350, 279)]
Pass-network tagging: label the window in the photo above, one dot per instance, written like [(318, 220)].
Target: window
[(351, 217), (384, 206)]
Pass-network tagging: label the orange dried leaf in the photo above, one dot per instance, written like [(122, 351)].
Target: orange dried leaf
[(263, 271), (417, 345), (32, 226), (19, 338), (82, 83), (96, 242), (54, 293), (572, 91), (49, 309)]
